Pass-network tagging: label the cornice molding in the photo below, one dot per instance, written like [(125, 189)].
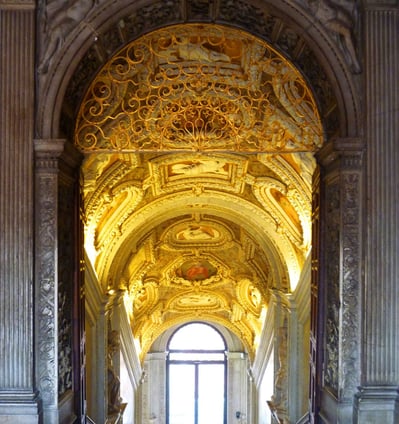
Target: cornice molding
[(17, 5)]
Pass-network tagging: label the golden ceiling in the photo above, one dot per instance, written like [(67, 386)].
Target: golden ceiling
[(197, 178)]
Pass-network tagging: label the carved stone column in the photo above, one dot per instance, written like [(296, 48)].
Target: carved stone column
[(340, 274), (18, 401), (55, 295), (380, 369)]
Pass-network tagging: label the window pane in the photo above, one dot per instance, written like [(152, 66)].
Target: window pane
[(211, 394), (197, 336), (197, 356), (181, 393)]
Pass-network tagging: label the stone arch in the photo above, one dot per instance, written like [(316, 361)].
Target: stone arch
[(232, 341), (333, 82), (289, 27)]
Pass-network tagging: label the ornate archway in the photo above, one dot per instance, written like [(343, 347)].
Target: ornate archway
[(280, 189)]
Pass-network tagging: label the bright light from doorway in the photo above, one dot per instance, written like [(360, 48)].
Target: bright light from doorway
[(196, 376)]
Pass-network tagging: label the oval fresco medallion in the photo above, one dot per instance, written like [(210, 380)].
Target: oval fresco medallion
[(196, 270)]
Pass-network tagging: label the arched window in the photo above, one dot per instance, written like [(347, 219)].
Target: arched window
[(196, 376)]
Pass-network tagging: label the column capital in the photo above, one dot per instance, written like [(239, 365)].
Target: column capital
[(382, 5), (54, 146), (50, 152), (280, 297), (348, 151)]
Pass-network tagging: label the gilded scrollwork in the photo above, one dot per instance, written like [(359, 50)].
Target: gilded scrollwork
[(198, 90), (204, 283)]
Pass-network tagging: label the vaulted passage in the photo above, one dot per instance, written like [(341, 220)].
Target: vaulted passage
[(199, 143), (183, 164)]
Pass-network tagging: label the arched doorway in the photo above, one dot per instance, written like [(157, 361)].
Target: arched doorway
[(197, 185), (210, 166)]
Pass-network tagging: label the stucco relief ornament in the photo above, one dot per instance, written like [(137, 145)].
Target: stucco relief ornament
[(58, 24), (279, 401), (338, 17)]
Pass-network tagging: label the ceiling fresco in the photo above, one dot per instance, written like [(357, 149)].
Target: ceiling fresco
[(197, 179)]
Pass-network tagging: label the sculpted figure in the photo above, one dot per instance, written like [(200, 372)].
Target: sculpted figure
[(199, 167), (114, 401), (336, 18), (60, 24), (279, 399), (185, 50)]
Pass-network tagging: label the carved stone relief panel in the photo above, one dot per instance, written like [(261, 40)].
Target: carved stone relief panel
[(54, 248), (339, 17), (351, 264), (46, 279), (65, 286), (58, 20), (332, 282), (342, 263)]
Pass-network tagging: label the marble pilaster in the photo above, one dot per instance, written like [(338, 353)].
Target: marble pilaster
[(128, 364), (239, 390), (96, 332), (48, 153), (375, 401), (341, 274), (280, 399), (18, 400), (152, 405)]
